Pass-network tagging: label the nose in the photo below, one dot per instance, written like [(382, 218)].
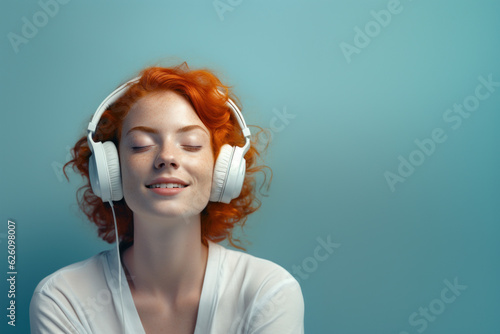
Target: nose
[(166, 158)]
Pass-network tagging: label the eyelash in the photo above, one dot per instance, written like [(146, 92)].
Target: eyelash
[(139, 148), (190, 148)]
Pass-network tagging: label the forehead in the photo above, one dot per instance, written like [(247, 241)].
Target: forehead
[(165, 109)]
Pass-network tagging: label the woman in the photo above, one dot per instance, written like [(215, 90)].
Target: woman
[(173, 129)]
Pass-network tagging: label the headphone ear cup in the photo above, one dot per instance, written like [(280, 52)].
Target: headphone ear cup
[(115, 176), (104, 172), (236, 176), (221, 172)]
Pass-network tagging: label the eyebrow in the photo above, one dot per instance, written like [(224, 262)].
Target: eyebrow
[(155, 131)]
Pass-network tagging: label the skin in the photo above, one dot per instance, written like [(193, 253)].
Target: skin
[(167, 260)]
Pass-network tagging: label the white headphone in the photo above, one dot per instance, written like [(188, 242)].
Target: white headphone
[(104, 164)]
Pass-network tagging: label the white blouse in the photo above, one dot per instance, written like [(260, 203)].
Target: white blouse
[(241, 294)]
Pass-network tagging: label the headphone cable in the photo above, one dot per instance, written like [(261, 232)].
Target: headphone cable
[(119, 263)]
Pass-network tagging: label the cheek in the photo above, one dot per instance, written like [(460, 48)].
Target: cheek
[(204, 172), (126, 177), (208, 170), (130, 171)]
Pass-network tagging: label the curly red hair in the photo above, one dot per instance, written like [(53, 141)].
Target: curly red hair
[(200, 88)]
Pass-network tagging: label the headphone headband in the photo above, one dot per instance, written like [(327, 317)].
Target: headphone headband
[(118, 92)]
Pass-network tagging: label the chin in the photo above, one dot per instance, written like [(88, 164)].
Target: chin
[(171, 210)]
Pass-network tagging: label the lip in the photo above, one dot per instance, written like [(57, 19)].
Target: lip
[(167, 180), (167, 191)]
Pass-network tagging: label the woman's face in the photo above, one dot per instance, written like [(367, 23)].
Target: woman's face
[(165, 157)]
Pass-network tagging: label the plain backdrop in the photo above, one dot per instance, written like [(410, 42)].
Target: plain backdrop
[(384, 130)]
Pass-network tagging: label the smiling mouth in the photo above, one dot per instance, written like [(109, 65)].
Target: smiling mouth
[(166, 185)]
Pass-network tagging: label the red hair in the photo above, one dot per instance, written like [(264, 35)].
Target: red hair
[(200, 88)]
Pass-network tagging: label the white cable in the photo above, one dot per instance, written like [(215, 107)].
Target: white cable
[(119, 262)]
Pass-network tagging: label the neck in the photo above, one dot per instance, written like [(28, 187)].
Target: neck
[(167, 257)]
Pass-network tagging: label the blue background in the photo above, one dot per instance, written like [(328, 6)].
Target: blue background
[(352, 118)]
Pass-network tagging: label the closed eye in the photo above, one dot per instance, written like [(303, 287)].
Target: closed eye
[(140, 148), (191, 148)]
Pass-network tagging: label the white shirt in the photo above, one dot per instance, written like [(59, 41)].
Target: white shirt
[(241, 294)]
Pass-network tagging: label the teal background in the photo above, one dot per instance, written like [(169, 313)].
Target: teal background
[(352, 120)]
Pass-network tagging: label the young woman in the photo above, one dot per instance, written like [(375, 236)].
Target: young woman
[(178, 164)]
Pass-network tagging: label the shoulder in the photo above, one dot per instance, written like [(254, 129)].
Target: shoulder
[(252, 268), (70, 287), (60, 299), (65, 300), (259, 279), (74, 274), (262, 294)]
